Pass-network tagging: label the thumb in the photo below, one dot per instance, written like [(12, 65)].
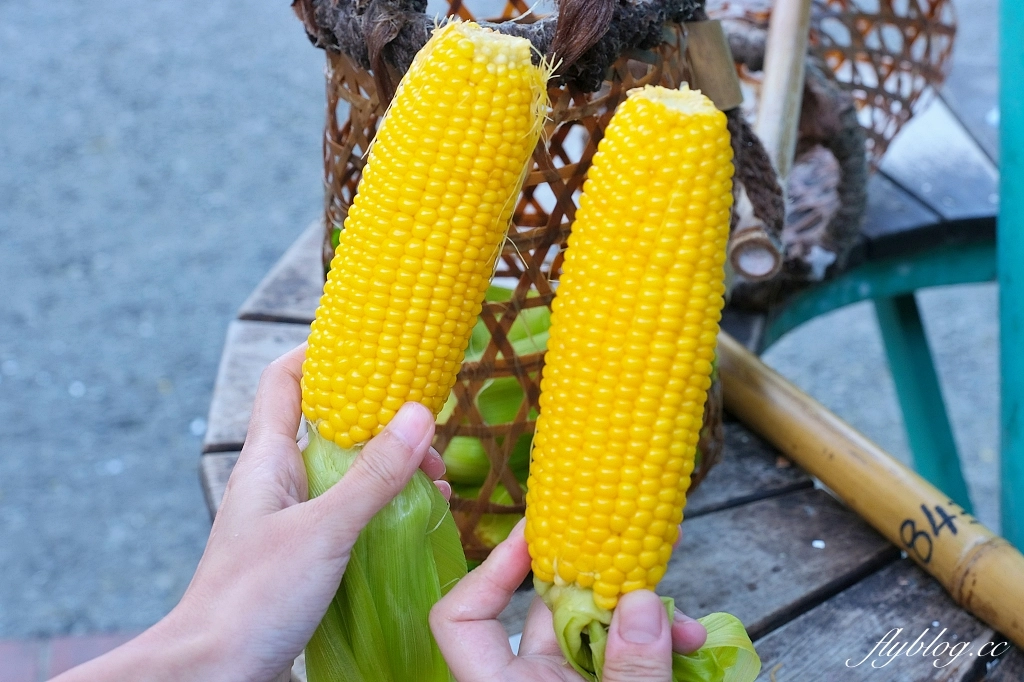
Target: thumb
[(639, 640), (381, 470)]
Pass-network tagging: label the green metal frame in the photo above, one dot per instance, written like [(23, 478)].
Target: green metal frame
[(891, 284), (886, 278), (924, 411), (1011, 278)]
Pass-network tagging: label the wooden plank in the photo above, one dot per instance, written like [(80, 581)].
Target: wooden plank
[(248, 349), (972, 86), (891, 210), (895, 222), (818, 645), (759, 561), (750, 470), (762, 562), (935, 159), (1010, 667), (745, 326), (291, 290), (214, 471)]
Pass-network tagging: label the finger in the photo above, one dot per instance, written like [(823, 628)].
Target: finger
[(433, 466), (465, 622), (539, 632), (639, 640), (679, 537), (687, 634), (278, 406), (270, 443), (381, 470), (446, 489)]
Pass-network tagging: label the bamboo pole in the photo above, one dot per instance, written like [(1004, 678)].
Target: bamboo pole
[(754, 252), (785, 55), (982, 572), (751, 250)]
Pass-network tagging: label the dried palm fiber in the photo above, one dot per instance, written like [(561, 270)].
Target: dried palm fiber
[(826, 191), (370, 44)]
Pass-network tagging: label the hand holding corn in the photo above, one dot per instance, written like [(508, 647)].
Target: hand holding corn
[(640, 642), (273, 560), (281, 555)]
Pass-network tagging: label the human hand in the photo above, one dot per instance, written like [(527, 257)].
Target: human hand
[(475, 645), (274, 559)]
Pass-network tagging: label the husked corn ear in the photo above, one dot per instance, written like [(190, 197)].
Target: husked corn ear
[(632, 339), (420, 240)]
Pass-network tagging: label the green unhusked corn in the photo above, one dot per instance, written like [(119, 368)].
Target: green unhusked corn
[(410, 548)]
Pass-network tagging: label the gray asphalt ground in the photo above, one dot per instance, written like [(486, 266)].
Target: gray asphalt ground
[(155, 160)]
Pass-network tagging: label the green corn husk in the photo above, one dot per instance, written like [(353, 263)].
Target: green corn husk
[(728, 655), (530, 325), (405, 560), (581, 628), (491, 529), (467, 464)]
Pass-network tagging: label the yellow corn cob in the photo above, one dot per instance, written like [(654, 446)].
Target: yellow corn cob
[(404, 290), (420, 240), (632, 338)]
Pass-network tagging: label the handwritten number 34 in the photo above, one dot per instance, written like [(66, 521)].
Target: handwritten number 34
[(917, 541), (920, 541)]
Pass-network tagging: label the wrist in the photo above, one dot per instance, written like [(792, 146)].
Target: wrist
[(167, 652), (200, 644), (183, 649)]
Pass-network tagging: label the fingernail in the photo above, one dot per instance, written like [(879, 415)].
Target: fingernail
[(641, 617), (445, 488), (410, 424), (688, 635), (440, 461), (681, 617)]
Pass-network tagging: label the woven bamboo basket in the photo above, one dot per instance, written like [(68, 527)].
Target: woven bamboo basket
[(872, 64), (888, 54), (531, 259), (873, 60)]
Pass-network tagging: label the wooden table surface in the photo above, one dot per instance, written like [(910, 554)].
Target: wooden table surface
[(815, 586)]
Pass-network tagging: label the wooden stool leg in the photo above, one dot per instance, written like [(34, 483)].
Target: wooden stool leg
[(924, 413), (1010, 254)]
